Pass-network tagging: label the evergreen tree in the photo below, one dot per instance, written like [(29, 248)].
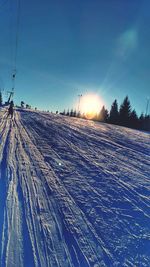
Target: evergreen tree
[(74, 113), (100, 116), (114, 114), (71, 113), (141, 119), (103, 115), (106, 116), (124, 112), (134, 121), (68, 113), (146, 124), (64, 112), (22, 104), (1, 101), (78, 114), (28, 106)]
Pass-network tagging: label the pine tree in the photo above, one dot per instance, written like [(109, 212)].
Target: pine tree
[(106, 116), (134, 121), (64, 112), (68, 113), (71, 113), (147, 123), (124, 112), (78, 114), (141, 121), (114, 114), (74, 113), (1, 101), (22, 104), (103, 115)]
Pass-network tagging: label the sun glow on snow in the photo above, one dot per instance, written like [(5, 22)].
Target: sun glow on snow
[(90, 105)]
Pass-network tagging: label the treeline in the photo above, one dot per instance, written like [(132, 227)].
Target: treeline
[(123, 115), (22, 104)]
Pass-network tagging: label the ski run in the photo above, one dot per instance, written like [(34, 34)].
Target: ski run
[(73, 193)]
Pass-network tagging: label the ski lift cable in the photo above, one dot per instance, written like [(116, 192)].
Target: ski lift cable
[(14, 65), (11, 36), (17, 32), (14, 36), (3, 4)]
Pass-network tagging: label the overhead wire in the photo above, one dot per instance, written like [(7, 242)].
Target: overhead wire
[(17, 32), (14, 70), (11, 35), (14, 27), (3, 4)]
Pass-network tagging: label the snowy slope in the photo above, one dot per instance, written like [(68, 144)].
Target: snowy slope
[(73, 193)]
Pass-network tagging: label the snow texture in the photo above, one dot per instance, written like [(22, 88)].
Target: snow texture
[(73, 193)]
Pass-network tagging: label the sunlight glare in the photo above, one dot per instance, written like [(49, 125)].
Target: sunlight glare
[(90, 105)]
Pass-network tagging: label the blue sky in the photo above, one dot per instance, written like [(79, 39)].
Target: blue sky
[(68, 47)]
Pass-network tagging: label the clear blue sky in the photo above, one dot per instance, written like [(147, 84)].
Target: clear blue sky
[(69, 47)]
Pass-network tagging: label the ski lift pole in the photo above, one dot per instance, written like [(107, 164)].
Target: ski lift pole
[(14, 57), (13, 80), (147, 105), (79, 102)]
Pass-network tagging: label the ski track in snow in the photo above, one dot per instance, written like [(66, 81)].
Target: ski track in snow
[(73, 193)]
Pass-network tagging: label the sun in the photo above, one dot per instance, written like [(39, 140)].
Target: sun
[(90, 105)]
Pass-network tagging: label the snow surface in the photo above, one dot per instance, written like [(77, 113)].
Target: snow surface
[(73, 193)]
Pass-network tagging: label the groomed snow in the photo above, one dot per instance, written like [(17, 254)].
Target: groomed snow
[(73, 193)]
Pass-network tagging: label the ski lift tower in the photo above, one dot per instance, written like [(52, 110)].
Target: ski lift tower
[(10, 96), (11, 93), (147, 105), (79, 96)]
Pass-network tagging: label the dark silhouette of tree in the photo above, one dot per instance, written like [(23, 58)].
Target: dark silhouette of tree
[(68, 113), (144, 122), (134, 121), (125, 112), (71, 113), (78, 114), (63, 113), (114, 114), (100, 116), (28, 106), (106, 116), (147, 122), (22, 104), (125, 116), (141, 121), (103, 115), (1, 100), (74, 113)]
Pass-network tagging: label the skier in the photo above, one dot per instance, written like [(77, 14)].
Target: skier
[(11, 109)]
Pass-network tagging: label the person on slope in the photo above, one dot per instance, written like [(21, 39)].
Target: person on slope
[(11, 109)]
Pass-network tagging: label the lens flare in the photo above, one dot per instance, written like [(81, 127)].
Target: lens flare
[(90, 105)]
